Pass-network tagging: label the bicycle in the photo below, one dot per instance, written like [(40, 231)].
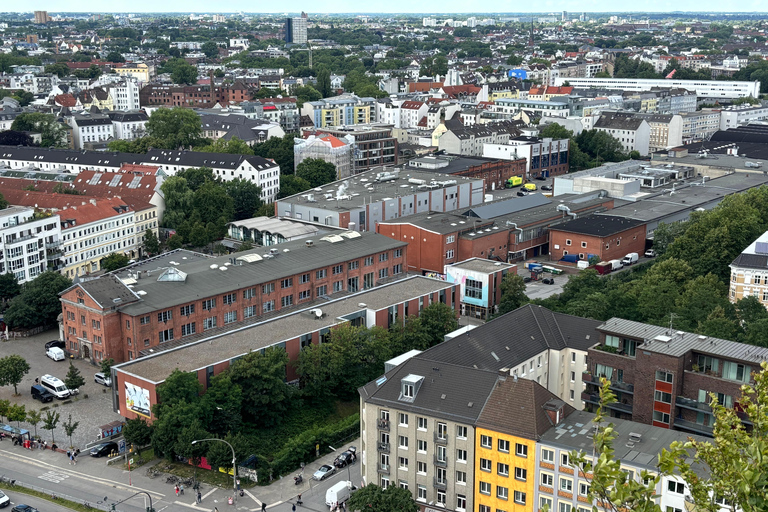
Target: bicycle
[(152, 472), (87, 505), (172, 480)]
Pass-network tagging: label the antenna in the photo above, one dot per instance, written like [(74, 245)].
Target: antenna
[(671, 317)]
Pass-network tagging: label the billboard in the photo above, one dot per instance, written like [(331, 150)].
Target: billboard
[(517, 73), (137, 400)]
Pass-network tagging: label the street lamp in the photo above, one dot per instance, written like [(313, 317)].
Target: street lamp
[(234, 465), (149, 509)]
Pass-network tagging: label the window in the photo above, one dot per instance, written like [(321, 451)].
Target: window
[(485, 488), (338, 269), (520, 497), (421, 467), (664, 376), (661, 417), (268, 306), (188, 329), (485, 465), (502, 492), (166, 335), (521, 474), (548, 455), (383, 273), (421, 446), (565, 507), (503, 445), (267, 288), (228, 299), (209, 304), (229, 317), (547, 480), (440, 498), (421, 493), (249, 293), (567, 241), (566, 484), (398, 253), (320, 274), (584, 245), (164, 316), (442, 431), (352, 265), (583, 489), (403, 463), (369, 261), (383, 256), (338, 286), (403, 419), (461, 501), (461, 455), (402, 442), (661, 396), (422, 423), (305, 295), (520, 450), (449, 239), (473, 288), (735, 371), (564, 459), (286, 301), (249, 312), (304, 278), (384, 482), (502, 469), (461, 432), (461, 477), (402, 484), (187, 310), (486, 441), (484, 508), (286, 283), (441, 454), (676, 487), (397, 269), (407, 390), (545, 502)]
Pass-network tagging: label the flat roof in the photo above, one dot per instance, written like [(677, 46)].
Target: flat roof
[(482, 265), (598, 225), (242, 340), (439, 222), (546, 212)]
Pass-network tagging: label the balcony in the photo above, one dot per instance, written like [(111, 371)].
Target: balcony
[(440, 484), (440, 462), (382, 424), (691, 426), (382, 468), (382, 447), (440, 439), (693, 405), (622, 387), (594, 398)]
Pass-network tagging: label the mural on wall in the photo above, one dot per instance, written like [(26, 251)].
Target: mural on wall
[(137, 400)]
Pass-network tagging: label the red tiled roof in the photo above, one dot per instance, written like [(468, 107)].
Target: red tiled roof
[(454, 90), (423, 122), (65, 100), (82, 209), (335, 142), (412, 105), (423, 86)]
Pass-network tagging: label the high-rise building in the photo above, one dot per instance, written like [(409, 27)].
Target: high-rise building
[(565, 15), (42, 17), (288, 30), (296, 29)]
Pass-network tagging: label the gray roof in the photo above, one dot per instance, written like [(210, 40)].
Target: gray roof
[(202, 281), (482, 265), (598, 225), (285, 228), (108, 291), (680, 342), (439, 222), (575, 430), (238, 341), (451, 392), (617, 121), (516, 337), (512, 205)]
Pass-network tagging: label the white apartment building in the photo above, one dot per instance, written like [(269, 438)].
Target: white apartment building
[(715, 89), (129, 125), (125, 95), (732, 117), (634, 133), (88, 127), (749, 272), (28, 245), (698, 126), (36, 84)]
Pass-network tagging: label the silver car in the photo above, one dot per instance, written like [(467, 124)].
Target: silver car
[(104, 380), (324, 471)]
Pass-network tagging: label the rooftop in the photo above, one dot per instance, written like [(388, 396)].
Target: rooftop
[(755, 255), (439, 222), (482, 265), (598, 225), (242, 340)]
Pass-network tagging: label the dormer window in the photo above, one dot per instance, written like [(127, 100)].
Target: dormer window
[(409, 387)]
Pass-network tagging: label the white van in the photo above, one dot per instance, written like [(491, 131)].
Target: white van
[(55, 386), (339, 493), (56, 354), (630, 258), (616, 264)]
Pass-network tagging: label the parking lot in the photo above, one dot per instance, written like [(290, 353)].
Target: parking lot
[(91, 412)]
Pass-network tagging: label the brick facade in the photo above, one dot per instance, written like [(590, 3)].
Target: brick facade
[(607, 248)]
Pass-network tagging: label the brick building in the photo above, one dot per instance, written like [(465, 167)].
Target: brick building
[(179, 295), (199, 96), (606, 236), (663, 377), (213, 353), (494, 171)]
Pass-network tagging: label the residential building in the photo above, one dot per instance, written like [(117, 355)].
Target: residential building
[(710, 89), (129, 125), (361, 202), (541, 108), (546, 92), (125, 95), (139, 71), (749, 272), (663, 377), (296, 29), (634, 133), (665, 130), (457, 139), (283, 111), (41, 17), (701, 125), (375, 145), (226, 126), (734, 116), (479, 283), (339, 152), (543, 157), (90, 127), (29, 244), (604, 236), (346, 109), (223, 291), (402, 114)]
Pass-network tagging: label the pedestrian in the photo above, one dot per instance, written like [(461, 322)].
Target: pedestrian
[(215, 509), (298, 500), (74, 458), (293, 508), (199, 497), (71, 458), (181, 489), (263, 506)]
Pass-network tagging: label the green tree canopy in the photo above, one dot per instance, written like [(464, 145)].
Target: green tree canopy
[(291, 185), (261, 378), (13, 368), (151, 243), (210, 49), (73, 379), (373, 498), (38, 303), (114, 261), (246, 197), (512, 293), (316, 171), (52, 133), (178, 126)]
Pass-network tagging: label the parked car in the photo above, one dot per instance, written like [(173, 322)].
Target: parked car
[(56, 354), (548, 280), (630, 258), (100, 378), (522, 193), (547, 187), (23, 508), (541, 178), (344, 459), (42, 394), (55, 343), (324, 471), (4, 500), (650, 253), (100, 450)]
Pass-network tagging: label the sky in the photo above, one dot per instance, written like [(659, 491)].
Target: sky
[(393, 6)]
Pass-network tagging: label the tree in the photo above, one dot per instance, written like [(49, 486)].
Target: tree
[(52, 133), (178, 387), (3, 202), (210, 49), (69, 428), (114, 261), (13, 368), (437, 320), (9, 286), (185, 448), (278, 149), (115, 56), (175, 242), (17, 413), (291, 185), (73, 380), (261, 377), (373, 498), (178, 126), (4, 406), (222, 405), (38, 303), (34, 418), (246, 197), (324, 82), (512, 293), (13, 138), (233, 146), (151, 243), (316, 171), (50, 422), (137, 432)]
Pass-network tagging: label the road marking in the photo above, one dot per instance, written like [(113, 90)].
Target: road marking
[(70, 472), (53, 476), (209, 493)]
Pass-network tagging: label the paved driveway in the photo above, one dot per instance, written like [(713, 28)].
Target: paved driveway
[(91, 412)]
